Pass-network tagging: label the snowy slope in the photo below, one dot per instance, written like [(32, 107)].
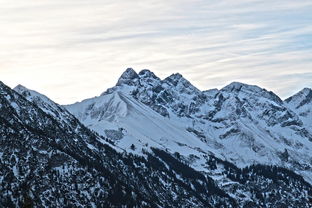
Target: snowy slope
[(301, 103), (47, 105), (127, 122), (240, 123), (56, 111)]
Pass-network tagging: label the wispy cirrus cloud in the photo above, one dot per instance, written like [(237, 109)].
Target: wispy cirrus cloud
[(75, 49)]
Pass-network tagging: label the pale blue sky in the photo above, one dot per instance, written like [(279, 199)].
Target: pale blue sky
[(75, 49)]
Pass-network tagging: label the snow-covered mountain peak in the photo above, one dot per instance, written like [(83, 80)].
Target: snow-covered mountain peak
[(301, 103), (32, 95), (145, 73), (243, 123), (245, 90), (127, 77), (174, 79), (181, 84), (240, 100), (301, 98), (306, 91), (175, 76), (148, 79), (238, 86), (107, 107), (43, 102), (27, 93), (20, 87)]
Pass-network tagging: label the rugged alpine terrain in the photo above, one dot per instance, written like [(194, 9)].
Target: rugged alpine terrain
[(240, 123), (149, 142)]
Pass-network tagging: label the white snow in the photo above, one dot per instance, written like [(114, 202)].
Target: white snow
[(253, 135), (255, 141)]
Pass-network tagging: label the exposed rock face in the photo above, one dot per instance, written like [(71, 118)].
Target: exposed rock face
[(127, 77), (244, 124), (301, 103)]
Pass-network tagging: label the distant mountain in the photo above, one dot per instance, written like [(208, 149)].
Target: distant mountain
[(159, 143), (240, 123)]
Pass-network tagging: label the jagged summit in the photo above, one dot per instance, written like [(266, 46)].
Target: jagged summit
[(181, 84), (127, 77), (174, 89), (301, 98), (146, 73), (302, 93), (238, 86), (19, 86), (256, 119), (42, 101), (29, 94), (175, 78), (22, 90), (241, 88), (147, 78), (306, 90)]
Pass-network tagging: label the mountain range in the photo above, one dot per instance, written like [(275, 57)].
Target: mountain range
[(148, 142)]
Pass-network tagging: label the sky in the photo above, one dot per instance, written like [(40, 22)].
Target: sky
[(75, 49)]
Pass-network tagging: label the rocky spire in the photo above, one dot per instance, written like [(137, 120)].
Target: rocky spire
[(127, 77)]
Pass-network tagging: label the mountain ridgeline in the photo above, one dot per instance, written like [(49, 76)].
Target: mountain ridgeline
[(148, 142)]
